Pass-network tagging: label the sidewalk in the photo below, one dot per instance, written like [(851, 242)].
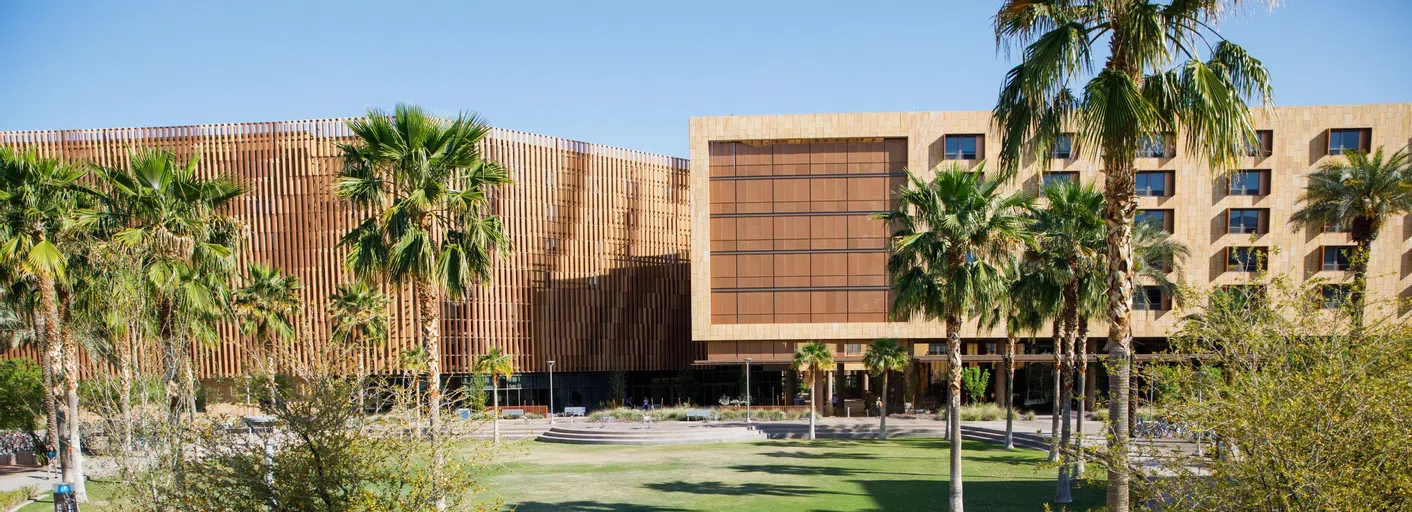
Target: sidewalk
[(16, 477)]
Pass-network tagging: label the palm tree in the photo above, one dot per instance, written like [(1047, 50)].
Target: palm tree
[(885, 356), (359, 314), (953, 239), (265, 307), (1359, 192), (169, 221), (1069, 231), (496, 364), (427, 186), (813, 359), (39, 197), (1152, 82)]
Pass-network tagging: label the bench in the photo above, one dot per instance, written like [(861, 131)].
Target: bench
[(700, 414), (513, 413), (575, 411)]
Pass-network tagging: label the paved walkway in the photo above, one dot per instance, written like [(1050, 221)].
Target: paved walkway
[(16, 477)]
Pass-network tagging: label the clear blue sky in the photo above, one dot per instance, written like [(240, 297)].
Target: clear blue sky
[(625, 75)]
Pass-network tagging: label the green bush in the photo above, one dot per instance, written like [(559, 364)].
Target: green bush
[(974, 380), (986, 412), (21, 394), (1098, 415), (8, 499), (679, 414)]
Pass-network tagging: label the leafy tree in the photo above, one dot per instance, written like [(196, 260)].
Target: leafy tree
[(813, 359), (497, 365), (265, 307), (1360, 192), (426, 185), (21, 395), (1310, 409), (954, 238), (974, 380), (1152, 82), (884, 357)]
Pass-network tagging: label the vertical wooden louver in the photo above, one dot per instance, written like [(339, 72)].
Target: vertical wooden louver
[(596, 280)]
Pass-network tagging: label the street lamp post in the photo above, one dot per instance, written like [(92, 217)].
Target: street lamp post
[(747, 389), (551, 391)]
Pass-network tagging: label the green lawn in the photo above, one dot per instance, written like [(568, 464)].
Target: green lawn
[(777, 476)]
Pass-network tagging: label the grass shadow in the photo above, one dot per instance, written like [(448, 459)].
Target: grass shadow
[(589, 506), (821, 456), (984, 495), (745, 489)]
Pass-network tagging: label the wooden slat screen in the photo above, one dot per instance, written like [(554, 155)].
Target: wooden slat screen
[(596, 280)]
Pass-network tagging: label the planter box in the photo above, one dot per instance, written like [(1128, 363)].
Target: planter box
[(26, 459)]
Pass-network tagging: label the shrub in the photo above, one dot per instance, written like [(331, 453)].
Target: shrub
[(974, 380), (986, 412), (21, 394), (679, 414), (9, 499), (1098, 415)]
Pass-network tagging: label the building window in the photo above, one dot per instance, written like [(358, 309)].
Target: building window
[(1051, 178), (1151, 183), (1244, 220), (1334, 295), (1148, 298), (1063, 147), (1245, 259), (1247, 183), (1156, 218), (1345, 140), (1156, 146), (936, 348), (1262, 146), (1336, 257), (1241, 295), (1335, 228), (963, 147), (853, 348)]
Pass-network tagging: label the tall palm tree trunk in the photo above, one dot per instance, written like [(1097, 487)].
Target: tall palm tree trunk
[(1058, 369), (813, 394), (48, 363), (54, 348), (495, 400), (1009, 392), (1063, 491), (1081, 359), (75, 446), (431, 341), (882, 416), (1119, 206), (1358, 266), (953, 371), (125, 362)]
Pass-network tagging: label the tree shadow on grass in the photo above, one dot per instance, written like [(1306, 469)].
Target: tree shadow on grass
[(821, 456), (986, 495), (788, 469), (745, 489), (589, 506)]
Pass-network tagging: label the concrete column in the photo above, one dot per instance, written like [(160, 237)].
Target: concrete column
[(998, 372), (791, 387)]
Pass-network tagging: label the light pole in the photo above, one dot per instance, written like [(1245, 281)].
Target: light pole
[(747, 389), (551, 391)]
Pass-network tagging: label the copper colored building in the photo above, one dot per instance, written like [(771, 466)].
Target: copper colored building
[(783, 249), (596, 280)]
